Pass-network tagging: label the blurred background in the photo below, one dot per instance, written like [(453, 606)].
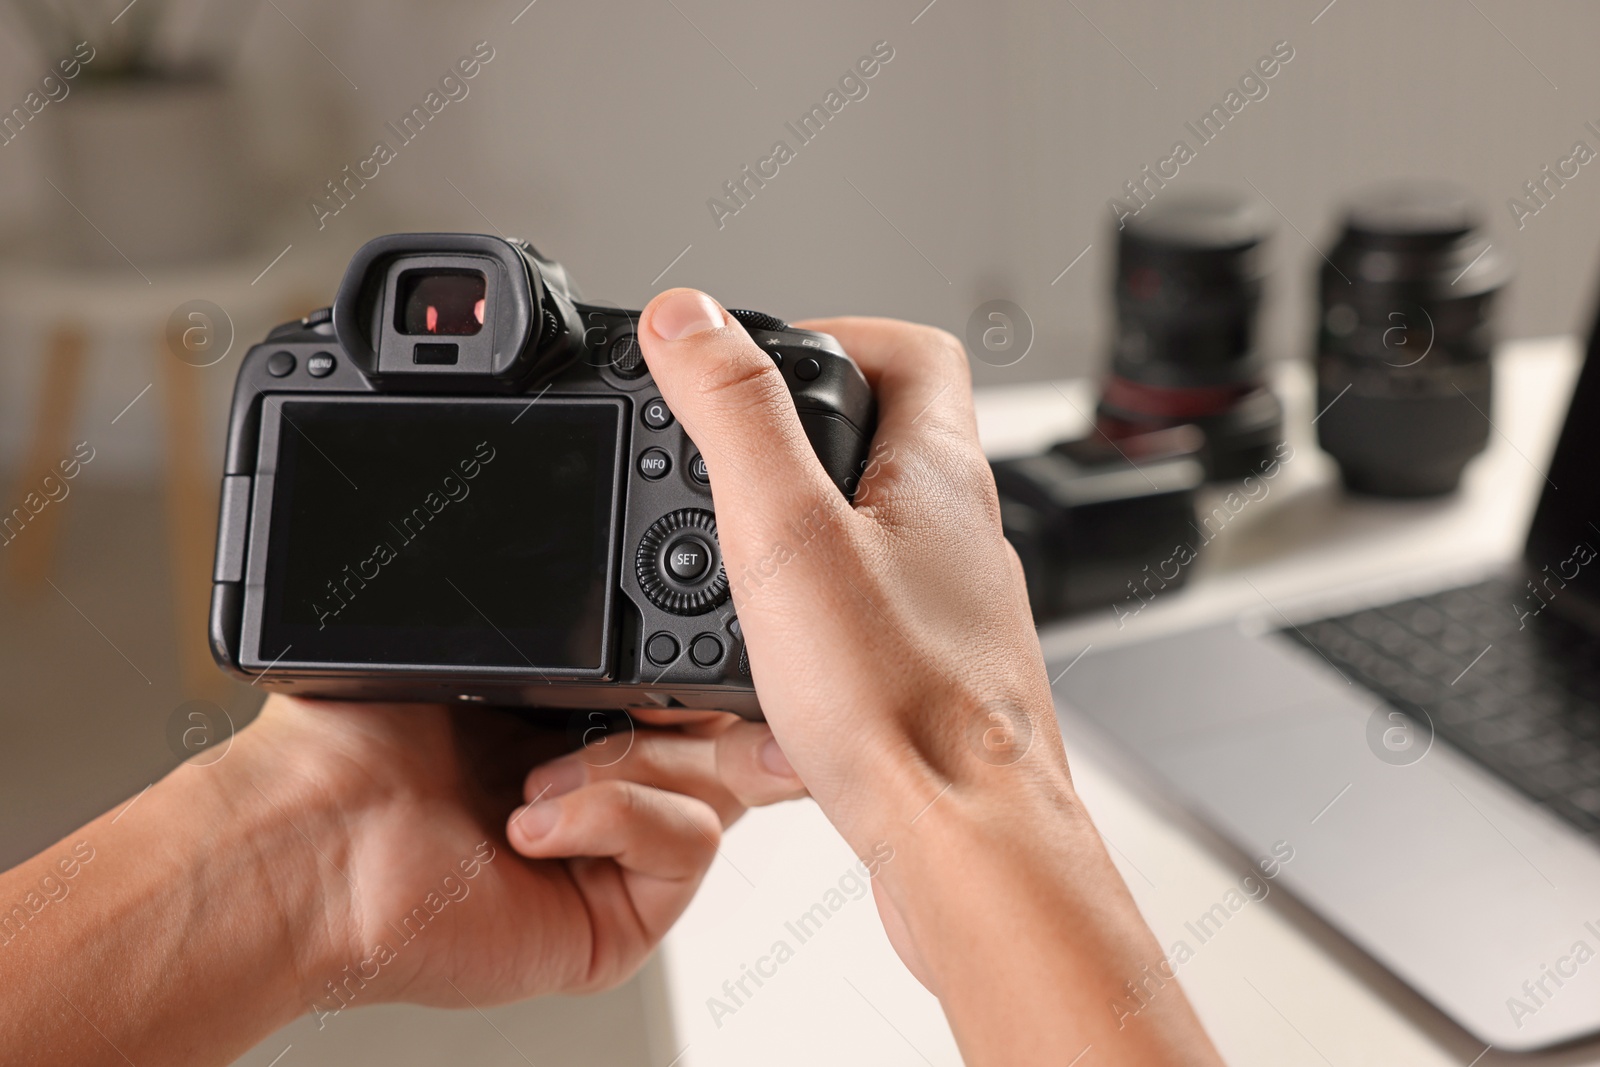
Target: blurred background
[(156, 154)]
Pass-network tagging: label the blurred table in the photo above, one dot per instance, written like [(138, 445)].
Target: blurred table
[(843, 996)]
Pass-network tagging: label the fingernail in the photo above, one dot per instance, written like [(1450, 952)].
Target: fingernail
[(686, 312), (561, 776), (535, 820), (773, 759)]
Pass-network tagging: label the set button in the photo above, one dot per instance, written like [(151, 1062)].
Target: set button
[(688, 559)]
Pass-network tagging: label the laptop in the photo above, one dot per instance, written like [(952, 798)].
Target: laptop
[(1434, 762)]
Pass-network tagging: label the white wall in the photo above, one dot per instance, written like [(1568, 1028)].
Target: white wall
[(991, 142)]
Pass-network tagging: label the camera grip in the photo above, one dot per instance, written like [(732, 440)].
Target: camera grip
[(839, 445)]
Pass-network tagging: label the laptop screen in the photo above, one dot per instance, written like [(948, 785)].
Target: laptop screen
[(1563, 550)]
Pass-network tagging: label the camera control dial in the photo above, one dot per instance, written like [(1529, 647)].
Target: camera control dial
[(680, 565)]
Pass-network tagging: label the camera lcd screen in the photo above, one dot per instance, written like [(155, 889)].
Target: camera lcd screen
[(441, 533), (441, 302)]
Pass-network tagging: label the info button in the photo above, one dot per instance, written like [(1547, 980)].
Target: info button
[(654, 463), (688, 558)]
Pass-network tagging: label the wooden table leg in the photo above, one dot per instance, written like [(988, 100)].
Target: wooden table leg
[(27, 536), (191, 524)]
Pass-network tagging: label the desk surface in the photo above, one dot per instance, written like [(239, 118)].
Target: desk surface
[(842, 996)]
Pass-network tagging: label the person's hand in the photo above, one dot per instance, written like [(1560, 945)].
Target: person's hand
[(893, 649), (918, 678), (606, 858), (892, 646), (337, 855)]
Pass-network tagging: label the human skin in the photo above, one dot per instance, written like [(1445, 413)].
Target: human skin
[(897, 663), (237, 895)]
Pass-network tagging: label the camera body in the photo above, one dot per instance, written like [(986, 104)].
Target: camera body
[(460, 484)]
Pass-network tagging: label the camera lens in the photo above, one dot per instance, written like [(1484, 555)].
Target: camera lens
[(1188, 286), (1404, 339)]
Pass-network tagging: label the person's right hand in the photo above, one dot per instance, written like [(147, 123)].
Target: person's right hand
[(890, 641), (893, 649)]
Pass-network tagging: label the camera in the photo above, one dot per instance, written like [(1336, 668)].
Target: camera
[(1090, 518), (459, 483)]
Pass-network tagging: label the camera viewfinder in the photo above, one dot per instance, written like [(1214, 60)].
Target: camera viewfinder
[(441, 302)]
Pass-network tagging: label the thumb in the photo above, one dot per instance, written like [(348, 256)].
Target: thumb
[(735, 406)]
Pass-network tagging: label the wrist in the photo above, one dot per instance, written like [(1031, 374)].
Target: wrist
[(1012, 909), (1014, 825), (197, 915), (272, 821), (1001, 831), (994, 758)]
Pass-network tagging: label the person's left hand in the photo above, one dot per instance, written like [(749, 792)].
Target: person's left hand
[(426, 901)]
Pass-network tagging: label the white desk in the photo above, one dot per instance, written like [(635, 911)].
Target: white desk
[(845, 998)]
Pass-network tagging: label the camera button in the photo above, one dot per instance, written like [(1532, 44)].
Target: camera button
[(656, 414), (280, 364), (678, 564), (654, 463), (627, 358), (705, 651), (688, 559), (661, 649), (698, 471), (321, 364), (807, 369)]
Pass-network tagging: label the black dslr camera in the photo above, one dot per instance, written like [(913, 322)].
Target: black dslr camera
[(459, 483)]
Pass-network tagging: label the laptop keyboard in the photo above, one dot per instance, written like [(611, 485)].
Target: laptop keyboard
[(1524, 702)]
